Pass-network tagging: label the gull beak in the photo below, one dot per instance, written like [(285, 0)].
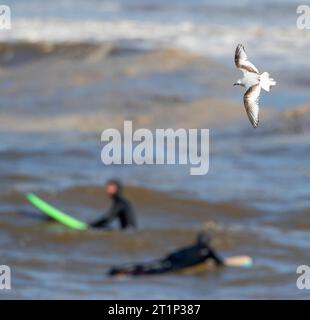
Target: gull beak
[(235, 84)]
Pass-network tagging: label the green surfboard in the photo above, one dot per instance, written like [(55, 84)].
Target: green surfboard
[(56, 214)]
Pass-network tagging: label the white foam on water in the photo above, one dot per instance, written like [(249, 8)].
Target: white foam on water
[(210, 40)]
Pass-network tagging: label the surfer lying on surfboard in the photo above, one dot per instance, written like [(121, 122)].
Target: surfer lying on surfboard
[(185, 258), (121, 209)]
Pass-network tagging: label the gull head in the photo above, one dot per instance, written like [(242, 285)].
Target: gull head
[(239, 83)]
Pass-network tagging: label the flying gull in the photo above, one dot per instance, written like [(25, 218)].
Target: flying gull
[(253, 82)]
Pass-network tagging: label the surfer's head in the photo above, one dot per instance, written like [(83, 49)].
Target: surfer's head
[(203, 239), (113, 188)]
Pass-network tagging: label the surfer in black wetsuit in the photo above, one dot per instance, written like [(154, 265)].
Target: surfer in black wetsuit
[(186, 257), (121, 209)]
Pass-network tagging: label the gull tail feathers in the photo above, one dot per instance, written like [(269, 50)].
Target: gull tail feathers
[(266, 82)]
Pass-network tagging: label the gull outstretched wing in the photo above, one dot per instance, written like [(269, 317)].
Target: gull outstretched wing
[(251, 100), (242, 62)]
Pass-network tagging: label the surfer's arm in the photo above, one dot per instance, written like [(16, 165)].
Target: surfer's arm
[(104, 221), (218, 260), (101, 223)]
